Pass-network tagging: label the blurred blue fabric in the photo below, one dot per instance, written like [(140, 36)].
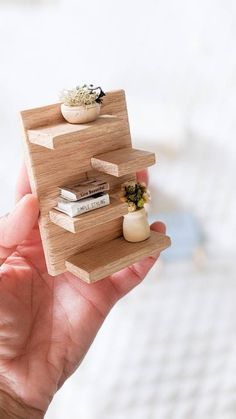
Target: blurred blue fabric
[(185, 232)]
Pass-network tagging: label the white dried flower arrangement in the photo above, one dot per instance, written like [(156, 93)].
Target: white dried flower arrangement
[(82, 95)]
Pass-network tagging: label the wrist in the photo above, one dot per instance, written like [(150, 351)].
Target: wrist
[(13, 408)]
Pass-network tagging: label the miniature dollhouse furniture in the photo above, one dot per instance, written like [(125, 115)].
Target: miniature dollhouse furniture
[(91, 245)]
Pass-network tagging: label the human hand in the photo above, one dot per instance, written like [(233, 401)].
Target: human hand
[(47, 323)]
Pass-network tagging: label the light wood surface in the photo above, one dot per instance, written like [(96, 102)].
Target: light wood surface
[(90, 219), (120, 162), (101, 261), (68, 163), (58, 154), (51, 136)]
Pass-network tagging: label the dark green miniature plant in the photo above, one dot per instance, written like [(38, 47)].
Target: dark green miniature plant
[(135, 194)]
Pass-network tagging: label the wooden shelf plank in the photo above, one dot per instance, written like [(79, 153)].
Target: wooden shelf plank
[(50, 136), (107, 258), (123, 161), (89, 219)]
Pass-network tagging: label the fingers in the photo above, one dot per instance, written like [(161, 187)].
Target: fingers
[(125, 280), (23, 185), (16, 227), (159, 226), (142, 176)]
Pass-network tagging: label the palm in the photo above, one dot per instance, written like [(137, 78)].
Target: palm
[(48, 323)]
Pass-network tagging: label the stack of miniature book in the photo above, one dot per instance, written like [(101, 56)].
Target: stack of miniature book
[(85, 196)]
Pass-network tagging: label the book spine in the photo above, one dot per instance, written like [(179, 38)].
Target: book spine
[(85, 194), (80, 207)]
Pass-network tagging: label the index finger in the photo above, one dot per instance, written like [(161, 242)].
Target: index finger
[(142, 176), (22, 186)]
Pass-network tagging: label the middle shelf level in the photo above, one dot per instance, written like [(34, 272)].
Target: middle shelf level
[(123, 161), (89, 219)]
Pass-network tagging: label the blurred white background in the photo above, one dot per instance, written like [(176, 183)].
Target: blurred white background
[(167, 351)]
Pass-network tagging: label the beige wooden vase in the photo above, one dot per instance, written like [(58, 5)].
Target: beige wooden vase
[(80, 114), (135, 226)]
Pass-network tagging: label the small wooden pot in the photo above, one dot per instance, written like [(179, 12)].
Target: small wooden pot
[(80, 114), (135, 226)]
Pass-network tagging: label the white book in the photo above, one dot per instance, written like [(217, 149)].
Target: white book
[(84, 205), (84, 189)]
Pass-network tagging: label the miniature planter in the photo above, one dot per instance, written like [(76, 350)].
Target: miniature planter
[(135, 224), (80, 114), (82, 104)]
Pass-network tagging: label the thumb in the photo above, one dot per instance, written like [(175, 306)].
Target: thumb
[(15, 227)]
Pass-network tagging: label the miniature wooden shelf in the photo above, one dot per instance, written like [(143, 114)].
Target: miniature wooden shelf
[(58, 153), (89, 219), (50, 136), (101, 261), (123, 161)]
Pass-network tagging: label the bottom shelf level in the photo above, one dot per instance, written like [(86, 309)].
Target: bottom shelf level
[(110, 257)]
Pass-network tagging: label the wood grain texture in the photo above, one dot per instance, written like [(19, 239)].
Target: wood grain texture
[(70, 162), (57, 155), (51, 136), (120, 162), (91, 219), (101, 261)]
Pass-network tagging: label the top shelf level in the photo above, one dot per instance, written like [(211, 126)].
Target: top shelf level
[(51, 136)]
